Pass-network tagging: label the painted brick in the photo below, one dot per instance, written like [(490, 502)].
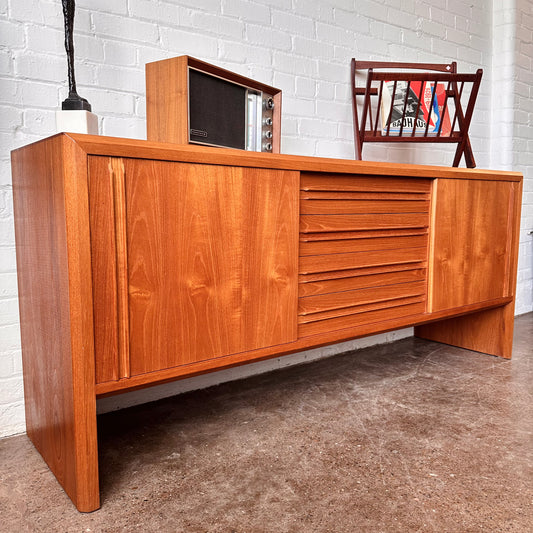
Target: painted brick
[(351, 21), (460, 8), (40, 67), (133, 128), (315, 10), (37, 94), (127, 80), (289, 63), (116, 6), (121, 54), (249, 11), (10, 118), (7, 366), (289, 126), (317, 127), (12, 33), (13, 420), (9, 311), (330, 33), (293, 24), (334, 111), (8, 285), (9, 337), (423, 10), (7, 64), (408, 5), (110, 102), (37, 11), (306, 87), (397, 17), (5, 174), (335, 73), (372, 10), (41, 121), (48, 40), (115, 26), (340, 149), (311, 48), (268, 37), (390, 33), (370, 47), (12, 390), (237, 52), (325, 90), (219, 26), (299, 146), (181, 42), (165, 13), (298, 107), (287, 83)]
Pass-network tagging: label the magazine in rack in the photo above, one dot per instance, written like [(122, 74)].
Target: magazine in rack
[(416, 115)]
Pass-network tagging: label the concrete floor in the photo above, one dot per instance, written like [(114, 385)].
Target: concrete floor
[(404, 437)]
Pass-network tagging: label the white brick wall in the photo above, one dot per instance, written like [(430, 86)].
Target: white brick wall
[(300, 46), (512, 136)]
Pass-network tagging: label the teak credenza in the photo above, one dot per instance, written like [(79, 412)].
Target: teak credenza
[(141, 263)]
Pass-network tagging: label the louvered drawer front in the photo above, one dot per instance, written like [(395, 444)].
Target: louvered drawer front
[(363, 250)]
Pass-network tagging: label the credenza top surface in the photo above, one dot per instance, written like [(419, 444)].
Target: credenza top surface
[(121, 147)]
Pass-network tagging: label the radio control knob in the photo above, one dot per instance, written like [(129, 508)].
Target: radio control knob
[(268, 134), (269, 103), (268, 121), (268, 147)]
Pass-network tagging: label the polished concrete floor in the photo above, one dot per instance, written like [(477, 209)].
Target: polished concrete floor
[(404, 437)]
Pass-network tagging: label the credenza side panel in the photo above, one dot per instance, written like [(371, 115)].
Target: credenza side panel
[(211, 255), (54, 276)]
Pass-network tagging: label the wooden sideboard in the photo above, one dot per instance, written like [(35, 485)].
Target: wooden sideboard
[(141, 263)]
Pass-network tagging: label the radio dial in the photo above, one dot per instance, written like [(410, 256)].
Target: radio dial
[(269, 103)]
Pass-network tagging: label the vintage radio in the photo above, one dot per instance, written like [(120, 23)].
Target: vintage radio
[(190, 101)]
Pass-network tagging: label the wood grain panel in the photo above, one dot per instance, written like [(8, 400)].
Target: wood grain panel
[(104, 269), (490, 330), (363, 195), (116, 167), (325, 181), (346, 206), (339, 300), (360, 309), (54, 277), (362, 245), (166, 101), (202, 283), (109, 267), (353, 272), (365, 234), (333, 262), (359, 282), (303, 343), (472, 242), (120, 147), (390, 312), (319, 223)]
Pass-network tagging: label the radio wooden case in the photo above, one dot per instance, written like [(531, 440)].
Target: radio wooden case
[(189, 101)]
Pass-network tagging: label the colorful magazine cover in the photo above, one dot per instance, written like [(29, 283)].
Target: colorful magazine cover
[(412, 119)]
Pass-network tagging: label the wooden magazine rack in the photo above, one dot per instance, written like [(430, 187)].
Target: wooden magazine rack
[(459, 100)]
